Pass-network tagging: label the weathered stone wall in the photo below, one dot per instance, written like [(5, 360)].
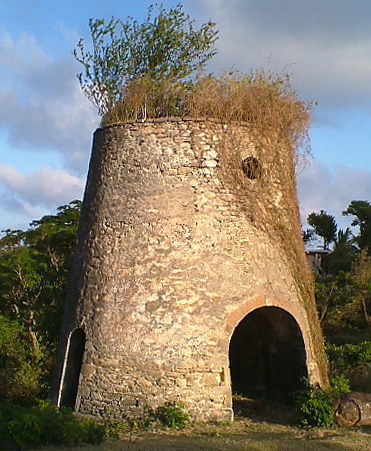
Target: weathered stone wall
[(176, 246)]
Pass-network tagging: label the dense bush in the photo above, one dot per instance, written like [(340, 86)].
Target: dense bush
[(349, 355), (43, 425), (354, 361), (19, 363), (172, 415), (316, 405)]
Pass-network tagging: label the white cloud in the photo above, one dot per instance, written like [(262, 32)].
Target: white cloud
[(46, 187), (332, 190), (70, 36), (327, 42), (16, 55), (43, 108)]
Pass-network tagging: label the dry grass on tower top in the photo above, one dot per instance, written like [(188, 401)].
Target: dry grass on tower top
[(262, 98)]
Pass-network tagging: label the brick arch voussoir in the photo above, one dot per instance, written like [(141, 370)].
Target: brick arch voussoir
[(295, 309)]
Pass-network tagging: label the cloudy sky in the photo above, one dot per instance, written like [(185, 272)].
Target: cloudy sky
[(46, 124)]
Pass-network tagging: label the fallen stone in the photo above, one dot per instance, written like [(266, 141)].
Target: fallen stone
[(354, 409)]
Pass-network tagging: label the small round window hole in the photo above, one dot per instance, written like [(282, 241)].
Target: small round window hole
[(251, 167)]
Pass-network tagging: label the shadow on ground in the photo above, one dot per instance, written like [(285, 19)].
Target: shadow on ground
[(265, 411)]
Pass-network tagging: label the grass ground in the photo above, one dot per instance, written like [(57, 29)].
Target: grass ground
[(242, 435), (258, 428)]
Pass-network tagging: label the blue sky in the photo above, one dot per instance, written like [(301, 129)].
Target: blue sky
[(46, 124)]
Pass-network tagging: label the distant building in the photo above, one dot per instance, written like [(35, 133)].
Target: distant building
[(314, 259)]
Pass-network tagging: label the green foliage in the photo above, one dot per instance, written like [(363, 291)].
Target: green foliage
[(339, 385), (342, 255), (165, 50), (317, 411), (344, 301), (172, 415), (349, 355), (346, 245), (114, 428), (19, 363), (316, 405), (324, 226), (44, 425), (337, 314), (344, 306), (360, 275), (361, 209), (34, 269)]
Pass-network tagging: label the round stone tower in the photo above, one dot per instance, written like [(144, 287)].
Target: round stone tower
[(189, 279)]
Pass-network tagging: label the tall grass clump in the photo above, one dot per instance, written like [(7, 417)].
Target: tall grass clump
[(262, 98)]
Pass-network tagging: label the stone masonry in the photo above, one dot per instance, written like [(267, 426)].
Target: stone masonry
[(175, 248)]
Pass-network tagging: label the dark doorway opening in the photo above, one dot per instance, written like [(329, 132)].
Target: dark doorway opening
[(73, 367), (267, 356)]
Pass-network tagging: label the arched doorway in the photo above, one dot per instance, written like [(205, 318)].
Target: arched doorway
[(75, 354), (267, 356)]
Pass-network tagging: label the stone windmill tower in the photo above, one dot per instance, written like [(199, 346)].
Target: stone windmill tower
[(189, 279)]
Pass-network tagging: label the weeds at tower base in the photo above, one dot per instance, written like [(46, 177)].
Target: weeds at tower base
[(170, 415), (317, 405)]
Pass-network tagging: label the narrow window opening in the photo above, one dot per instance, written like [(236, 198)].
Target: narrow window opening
[(73, 367)]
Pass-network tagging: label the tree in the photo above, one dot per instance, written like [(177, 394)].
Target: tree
[(164, 51), (324, 226), (307, 235), (19, 370), (361, 278), (344, 301), (342, 255), (34, 268), (361, 209)]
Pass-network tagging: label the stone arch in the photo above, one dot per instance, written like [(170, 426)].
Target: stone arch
[(268, 350), (72, 368), (267, 356)]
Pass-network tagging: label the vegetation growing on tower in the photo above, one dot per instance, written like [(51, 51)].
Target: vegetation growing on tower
[(130, 60), (157, 69)]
